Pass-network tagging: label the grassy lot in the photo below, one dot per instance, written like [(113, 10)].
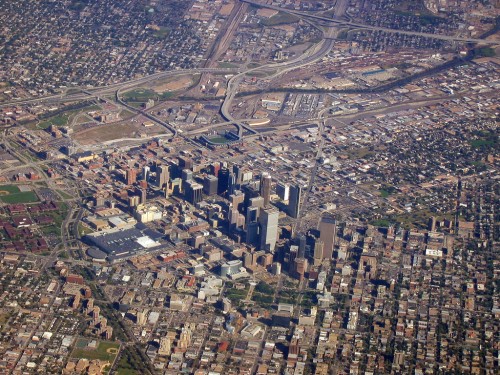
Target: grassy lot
[(130, 363), (63, 119), (486, 52), (162, 33), (139, 95), (126, 114), (384, 193), (219, 140), (227, 65), (253, 65), (478, 143), (263, 294), (309, 299), (409, 220), (51, 229), (58, 216), (236, 295), (360, 153), (386, 190), (11, 189), (166, 95), (286, 296), (383, 223), (280, 19), (127, 371), (83, 230), (12, 194), (101, 352), (59, 120), (135, 104), (262, 299)]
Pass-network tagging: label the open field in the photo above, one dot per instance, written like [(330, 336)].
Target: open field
[(65, 118), (9, 189), (280, 19), (105, 351), (220, 140), (126, 371), (83, 229), (115, 131), (12, 194), (172, 84), (139, 95), (228, 65), (59, 120)]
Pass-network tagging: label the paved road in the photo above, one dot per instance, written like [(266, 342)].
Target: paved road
[(314, 54), (337, 21), (312, 178), (111, 89)]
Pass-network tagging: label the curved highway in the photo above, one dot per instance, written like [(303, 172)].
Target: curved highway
[(83, 93), (369, 27), (314, 54)]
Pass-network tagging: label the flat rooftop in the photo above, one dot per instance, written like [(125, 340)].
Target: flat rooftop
[(123, 243)]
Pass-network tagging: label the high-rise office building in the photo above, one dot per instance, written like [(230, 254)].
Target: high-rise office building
[(432, 224), (175, 187), (300, 267), (133, 200), (237, 199), (193, 192), (294, 201), (231, 186), (224, 176), (210, 185), (214, 169), (145, 172), (256, 202), (318, 252), (265, 188), (293, 350), (233, 217), (283, 191), (187, 175), (252, 234), (185, 163), (302, 246), (252, 225), (162, 175), (245, 176), (268, 228), (131, 175), (144, 194), (328, 233), (250, 191), (252, 215), (294, 249), (237, 170), (226, 303), (166, 189)]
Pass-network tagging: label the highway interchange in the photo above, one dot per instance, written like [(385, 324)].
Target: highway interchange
[(328, 26), (311, 56)]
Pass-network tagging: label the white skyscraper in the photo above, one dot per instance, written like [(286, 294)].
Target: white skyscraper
[(268, 228)]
